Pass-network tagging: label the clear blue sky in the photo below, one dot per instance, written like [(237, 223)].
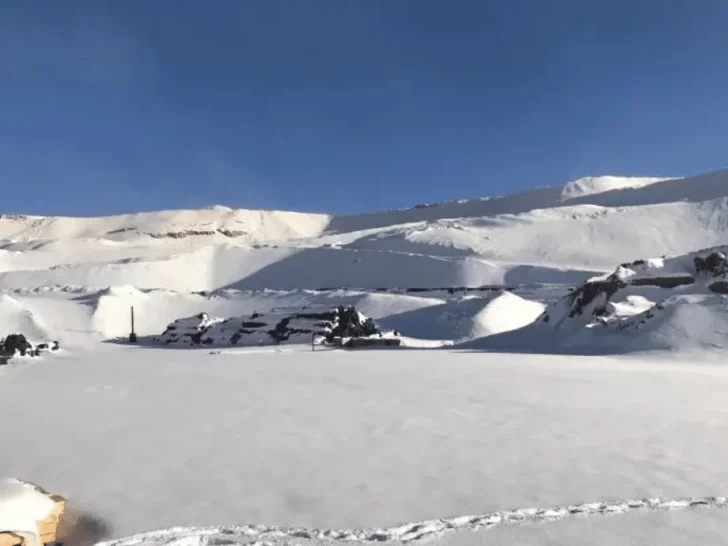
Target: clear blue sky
[(338, 105)]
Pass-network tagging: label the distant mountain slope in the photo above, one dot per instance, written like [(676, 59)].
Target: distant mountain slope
[(560, 234), (255, 226), (222, 223), (537, 198)]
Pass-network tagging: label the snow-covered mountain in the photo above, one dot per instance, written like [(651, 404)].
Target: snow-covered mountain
[(285, 444), (561, 234), (71, 277)]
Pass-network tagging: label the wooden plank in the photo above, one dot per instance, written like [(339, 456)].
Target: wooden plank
[(48, 527), (8, 538)]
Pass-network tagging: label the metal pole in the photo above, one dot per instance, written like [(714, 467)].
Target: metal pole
[(132, 334)]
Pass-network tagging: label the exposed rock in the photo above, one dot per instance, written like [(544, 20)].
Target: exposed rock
[(714, 264), (592, 300), (231, 232), (664, 282), (587, 293), (16, 343), (198, 232), (263, 329), (719, 287)]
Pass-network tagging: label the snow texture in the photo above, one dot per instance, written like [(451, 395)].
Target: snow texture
[(258, 535)]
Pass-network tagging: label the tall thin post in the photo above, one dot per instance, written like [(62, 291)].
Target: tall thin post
[(132, 334)]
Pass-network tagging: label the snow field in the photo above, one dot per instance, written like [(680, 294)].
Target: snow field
[(369, 440)]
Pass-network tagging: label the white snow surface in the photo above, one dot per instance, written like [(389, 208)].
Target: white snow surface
[(484, 442), (155, 439)]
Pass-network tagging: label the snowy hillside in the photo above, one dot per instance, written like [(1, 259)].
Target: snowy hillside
[(561, 234), (222, 261), (672, 303), (253, 429)]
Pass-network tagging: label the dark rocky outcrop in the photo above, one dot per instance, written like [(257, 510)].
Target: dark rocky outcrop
[(663, 282), (231, 233), (18, 344), (587, 293), (302, 327), (714, 264), (719, 287), (350, 324)]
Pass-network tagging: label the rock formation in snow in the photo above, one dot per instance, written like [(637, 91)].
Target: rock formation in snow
[(270, 328)]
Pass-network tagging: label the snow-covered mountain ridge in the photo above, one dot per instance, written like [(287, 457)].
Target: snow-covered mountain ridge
[(275, 225), (560, 234)]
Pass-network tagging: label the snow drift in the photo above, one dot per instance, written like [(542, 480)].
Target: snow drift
[(468, 317)]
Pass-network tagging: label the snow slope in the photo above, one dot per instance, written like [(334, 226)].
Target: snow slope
[(561, 234)]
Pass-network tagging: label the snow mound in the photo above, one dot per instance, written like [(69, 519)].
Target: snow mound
[(22, 506), (503, 313), (468, 317), (302, 326), (14, 317), (592, 185), (671, 303)]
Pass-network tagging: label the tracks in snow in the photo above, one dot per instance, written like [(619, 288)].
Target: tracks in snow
[(258, 535)]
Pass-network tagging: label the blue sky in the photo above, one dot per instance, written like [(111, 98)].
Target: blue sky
[(346, 106)]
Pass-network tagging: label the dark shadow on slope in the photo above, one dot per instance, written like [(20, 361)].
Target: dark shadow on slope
[(423, 323), (342, 268), (315, 268), (534, 274), (510, 204)]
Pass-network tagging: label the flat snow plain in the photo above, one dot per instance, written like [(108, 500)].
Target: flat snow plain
[(146, 439)]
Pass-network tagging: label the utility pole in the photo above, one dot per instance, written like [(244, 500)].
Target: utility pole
[(132, 334)]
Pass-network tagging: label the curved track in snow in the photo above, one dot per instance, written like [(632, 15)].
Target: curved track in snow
[(259, 535)]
